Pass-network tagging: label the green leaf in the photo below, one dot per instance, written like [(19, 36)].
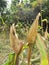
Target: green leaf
[(10, 60), (2, 20), (25, 46), (42, 49)]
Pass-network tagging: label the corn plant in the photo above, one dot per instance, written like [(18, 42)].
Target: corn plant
[(32, 37)]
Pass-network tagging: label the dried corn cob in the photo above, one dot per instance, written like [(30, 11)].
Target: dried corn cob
[(13, 38), (33, 30)]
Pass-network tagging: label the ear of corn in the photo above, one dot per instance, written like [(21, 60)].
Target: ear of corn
[(42, 49), (33, 30), (13, 39)]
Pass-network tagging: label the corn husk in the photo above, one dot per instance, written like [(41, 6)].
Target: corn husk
[(14, 41), (33, 30)]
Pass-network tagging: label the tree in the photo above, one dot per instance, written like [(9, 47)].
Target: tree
[(3, 4), (13, 5), (32, 0), (26, 1)]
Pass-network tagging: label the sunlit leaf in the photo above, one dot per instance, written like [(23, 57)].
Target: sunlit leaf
[(11, 59)]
